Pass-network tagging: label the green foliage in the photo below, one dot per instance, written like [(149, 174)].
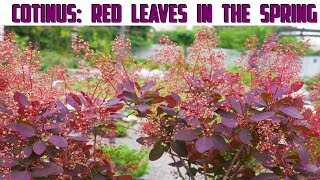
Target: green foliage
[(232, 37), (139, 36), (52, 58), (59, 38), (245, 75), (122, 128), (310, 81), (133, 162), (45, 37)]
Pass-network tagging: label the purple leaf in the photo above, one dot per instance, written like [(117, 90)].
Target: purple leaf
[(130, 96), (230, 123), (308, 168), (21, 99), (128, 85), (39, 147), (179, 148), (58, 125), (48, 169), (74, 101), (291, 111), (266, 176), (142, 108), (156, 152), (245, 136), (204, 144), (117, 115), (3, 107), (219, 143), (176, 97), (186, 135), (225, 114), (303, 153), (278, 92), (265, 159), (25, 130), (235, 104), (8, 162), (262, 116), (79, 138), (276, 119), (58, 141), (220, 128), (147, 86), (193, 121), (21, 175), (168, 110), (26, 151), (63, 109)]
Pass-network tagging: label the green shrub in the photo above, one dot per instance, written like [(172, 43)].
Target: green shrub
[(122, 128), (132, 162)]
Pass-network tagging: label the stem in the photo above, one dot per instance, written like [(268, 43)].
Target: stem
[(205, 171), (179, 172), (188, 170), (232, 162)]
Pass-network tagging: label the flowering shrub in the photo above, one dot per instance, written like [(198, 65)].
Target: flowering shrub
[(46, 129), (219, 127), (209, 120)]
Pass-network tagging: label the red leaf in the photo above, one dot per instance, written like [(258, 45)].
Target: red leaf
[(39, 147), (204, 144), (124, 177), (291, 111), (296, 86), (58, 141), (307, 114), (262, 116)]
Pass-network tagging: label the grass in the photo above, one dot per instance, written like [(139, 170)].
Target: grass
[(132, 162), (52, 58)]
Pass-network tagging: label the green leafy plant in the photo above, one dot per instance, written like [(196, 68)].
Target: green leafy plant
[(122, 128), (130, 161)]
